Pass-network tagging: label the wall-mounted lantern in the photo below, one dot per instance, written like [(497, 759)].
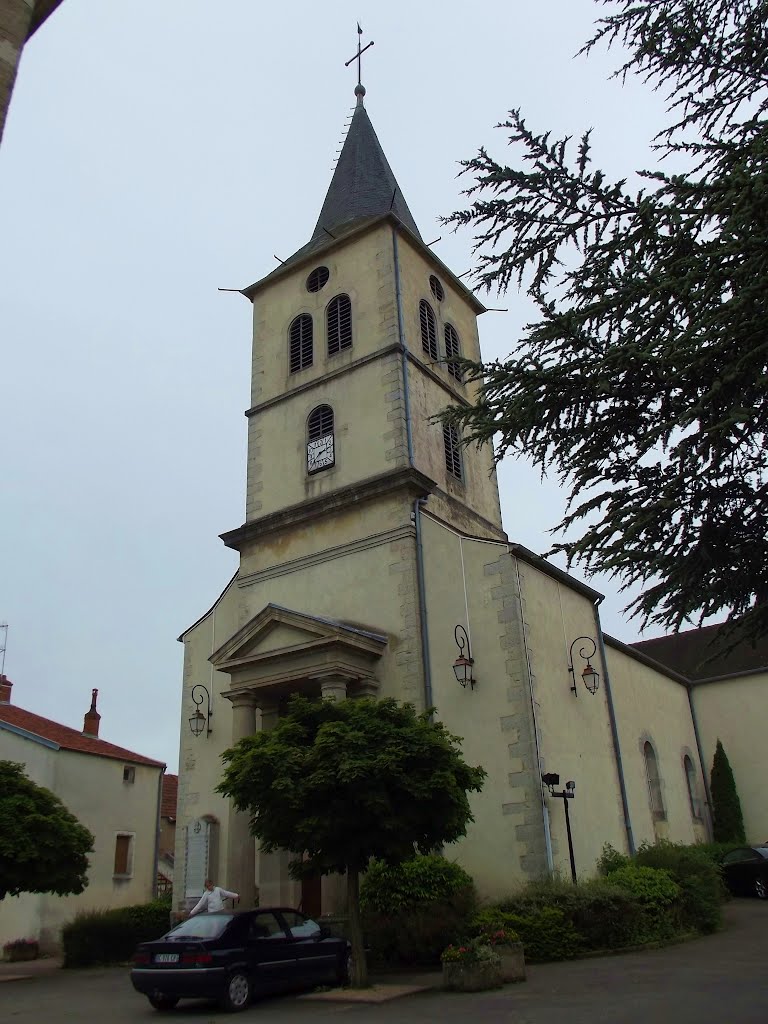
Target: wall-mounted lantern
[(589, 676), (462, 667), (199, 721)]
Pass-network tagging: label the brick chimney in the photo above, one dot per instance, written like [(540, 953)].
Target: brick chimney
[(5, 689), (92, 717)]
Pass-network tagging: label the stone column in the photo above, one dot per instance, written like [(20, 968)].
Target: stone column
[(275, 885), (15, 18), (241, 846), (334, 887)]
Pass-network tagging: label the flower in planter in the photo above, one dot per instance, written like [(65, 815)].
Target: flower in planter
[(21, 949), (478, 951), (502, 937)]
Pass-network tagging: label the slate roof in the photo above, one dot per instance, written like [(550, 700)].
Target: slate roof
[(169, 796), (698, 654), (69, 739), (362, 188)]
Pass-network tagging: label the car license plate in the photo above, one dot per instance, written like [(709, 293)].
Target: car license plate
[(166, 958)]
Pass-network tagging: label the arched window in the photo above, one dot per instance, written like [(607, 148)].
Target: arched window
[(320, 442), (452, 349), (693, 788), (452, 450), (428, 329), (654, 782), (436, 287), (339, 319), (300, 334)]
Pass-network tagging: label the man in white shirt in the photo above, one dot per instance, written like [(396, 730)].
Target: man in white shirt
[(212, 899)]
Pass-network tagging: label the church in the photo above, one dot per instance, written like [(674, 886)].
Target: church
[(373, 562)]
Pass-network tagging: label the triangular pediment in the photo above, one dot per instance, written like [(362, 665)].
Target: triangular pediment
[(278, 632)]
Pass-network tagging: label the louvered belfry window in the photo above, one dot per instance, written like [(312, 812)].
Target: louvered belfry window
[(452, 349), (452, 451), (437, 288), (339, 324), (428, 329), (300, 334), (320, 422)]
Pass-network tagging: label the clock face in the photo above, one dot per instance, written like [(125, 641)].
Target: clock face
[(320, 453)]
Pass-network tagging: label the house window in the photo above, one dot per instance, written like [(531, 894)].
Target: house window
[(339, 319), (123, 855), (320, 441), (437, 288), (428, 329), (654, 782), (129, 774), (693, 789), (452, 350), (300, 334), (452, 450)]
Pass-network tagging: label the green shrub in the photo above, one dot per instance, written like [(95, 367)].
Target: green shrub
[(697, 876), (727, 819), (424, 879), (611, 860), (546, 934), (111, 936), (653, 887), (419, 933)]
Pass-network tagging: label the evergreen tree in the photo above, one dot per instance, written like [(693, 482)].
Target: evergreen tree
[(728, 823), (339, 783), (643, 385)]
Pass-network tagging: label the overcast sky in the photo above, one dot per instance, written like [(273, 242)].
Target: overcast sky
[(155, 151)]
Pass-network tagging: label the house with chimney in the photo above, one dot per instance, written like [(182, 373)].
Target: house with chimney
[(114, 792)]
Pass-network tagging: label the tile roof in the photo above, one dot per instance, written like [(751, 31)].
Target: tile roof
[(69, 739), (700, 654), (170, 796)]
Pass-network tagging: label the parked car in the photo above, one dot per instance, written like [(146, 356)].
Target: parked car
[(746, 871), (231, 956)]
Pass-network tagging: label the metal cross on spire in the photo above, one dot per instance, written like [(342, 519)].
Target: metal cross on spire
[(359, 88)]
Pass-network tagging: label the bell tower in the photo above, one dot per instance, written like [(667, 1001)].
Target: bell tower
[(354, 338)]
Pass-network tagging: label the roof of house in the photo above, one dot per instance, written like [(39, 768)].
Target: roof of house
[(701, 654), (170, 796), (66, 738)]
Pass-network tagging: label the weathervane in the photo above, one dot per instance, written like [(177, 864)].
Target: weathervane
[(360, 88)]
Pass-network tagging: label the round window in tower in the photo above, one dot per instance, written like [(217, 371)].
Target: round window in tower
[(437, 288), (317, 279)]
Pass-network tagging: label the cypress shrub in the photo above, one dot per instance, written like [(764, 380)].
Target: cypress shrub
[(728, 821)]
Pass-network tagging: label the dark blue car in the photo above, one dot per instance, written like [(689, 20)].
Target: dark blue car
[(230, 957)]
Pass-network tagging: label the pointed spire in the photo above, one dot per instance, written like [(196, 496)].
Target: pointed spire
[(363, 184)]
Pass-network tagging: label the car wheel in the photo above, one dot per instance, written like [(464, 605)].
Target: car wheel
[(163, 1002), (237, 994), (761, 889), (344, 974)]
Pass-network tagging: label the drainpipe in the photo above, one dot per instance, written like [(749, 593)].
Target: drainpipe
[(153, 890), (416, 514), (529, 673), (707, 792), (614, 732)]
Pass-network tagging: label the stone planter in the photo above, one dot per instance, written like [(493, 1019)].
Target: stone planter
[(462, 977), (512, 962)]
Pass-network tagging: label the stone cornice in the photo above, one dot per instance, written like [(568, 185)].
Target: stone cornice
[(418, 484), (341, 371)]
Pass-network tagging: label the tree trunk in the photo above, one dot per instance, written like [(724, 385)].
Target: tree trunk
[(359, 977)]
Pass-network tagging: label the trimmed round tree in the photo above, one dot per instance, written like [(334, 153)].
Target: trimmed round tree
[(728, 821), (43, 847), (338, 783)]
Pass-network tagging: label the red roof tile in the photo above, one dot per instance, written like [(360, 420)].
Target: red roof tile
[(68, 738), (170, 793)]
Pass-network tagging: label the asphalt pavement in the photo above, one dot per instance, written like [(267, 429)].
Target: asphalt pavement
[(718, 979)]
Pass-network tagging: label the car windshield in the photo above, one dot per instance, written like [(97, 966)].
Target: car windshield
[(762, 850), (201, 926)]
